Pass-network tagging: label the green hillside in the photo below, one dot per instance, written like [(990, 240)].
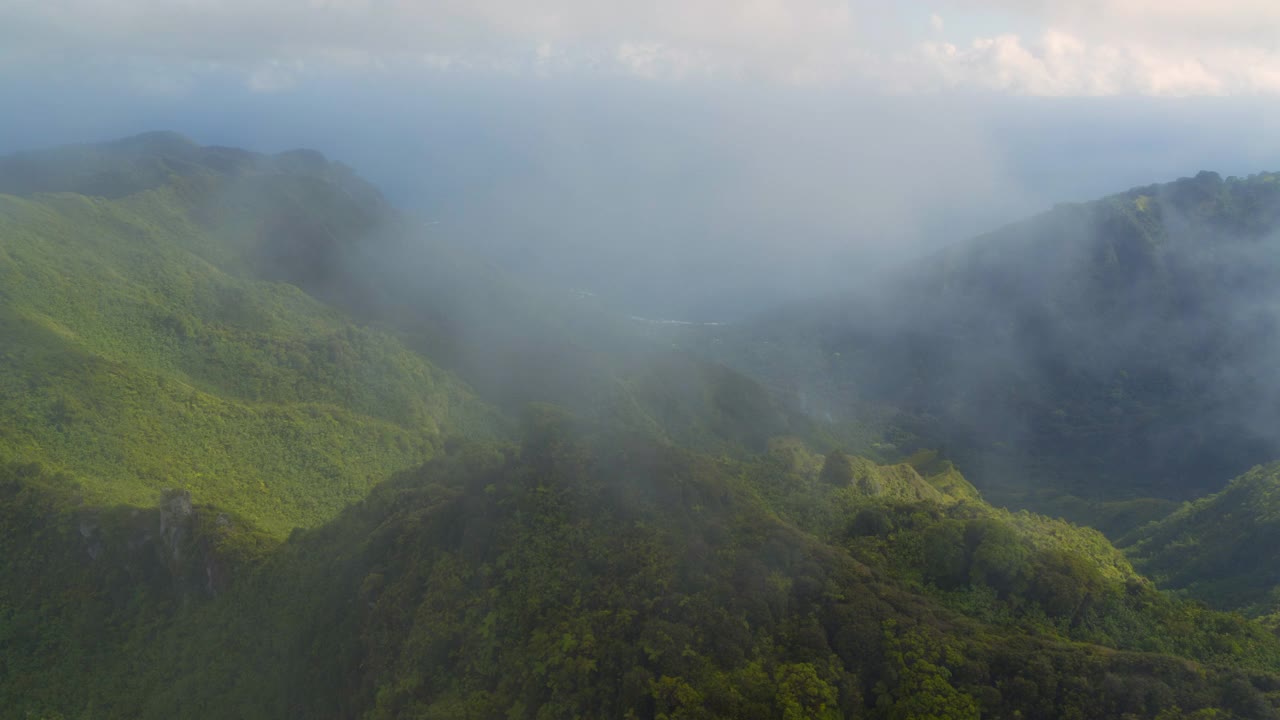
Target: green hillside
[(1112, 351), (269, 449), (630, 580), (134, 363), (1223, 549), (264, 331)]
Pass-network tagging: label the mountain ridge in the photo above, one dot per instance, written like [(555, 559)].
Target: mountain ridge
[(564, 517), (1114, 350)]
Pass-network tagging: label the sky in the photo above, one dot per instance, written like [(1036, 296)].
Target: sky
[(701, 152), (1025, 47)]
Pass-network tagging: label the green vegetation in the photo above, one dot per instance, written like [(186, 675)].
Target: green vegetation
[(243, 473), (1117, 351), (134, 364), (631, 580), (1223, 549)]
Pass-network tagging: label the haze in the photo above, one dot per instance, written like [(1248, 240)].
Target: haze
[(695, 160), (714, 359)]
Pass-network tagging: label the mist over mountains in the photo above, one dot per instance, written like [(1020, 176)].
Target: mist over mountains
[(275, 448), (679, 360), (1116, 348), (703, 201)]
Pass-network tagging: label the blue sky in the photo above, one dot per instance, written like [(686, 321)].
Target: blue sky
[(781, 141)]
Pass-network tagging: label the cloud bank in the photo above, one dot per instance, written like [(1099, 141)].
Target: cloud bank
[(1018, 47), (1179, 48)]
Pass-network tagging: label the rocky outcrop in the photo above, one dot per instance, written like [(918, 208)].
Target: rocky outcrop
[(176, 521), (176, 547)]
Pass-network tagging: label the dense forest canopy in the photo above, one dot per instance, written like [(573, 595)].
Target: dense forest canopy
[(1112, 350), (271, 448)]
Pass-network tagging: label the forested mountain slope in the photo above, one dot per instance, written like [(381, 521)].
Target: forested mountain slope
[(132, 361), (1223, 549), (1121, 348), (630, 580), (268, 449), (265, 332)]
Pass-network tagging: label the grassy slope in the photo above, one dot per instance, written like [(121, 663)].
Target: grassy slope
[(135, 364)]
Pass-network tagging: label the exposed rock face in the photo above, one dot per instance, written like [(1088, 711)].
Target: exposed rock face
[(89, 532), (163, 548), (186, 546), (176, 513)]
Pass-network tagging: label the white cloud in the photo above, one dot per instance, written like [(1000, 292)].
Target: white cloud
[(154, 81), (1036, 47), (654, 60), (1060, 63), (273, 76), (1117, 47)]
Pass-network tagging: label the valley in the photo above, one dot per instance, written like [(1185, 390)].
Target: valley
[(270, 447)]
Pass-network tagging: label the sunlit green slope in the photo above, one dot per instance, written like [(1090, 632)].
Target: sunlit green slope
[(134, 363)]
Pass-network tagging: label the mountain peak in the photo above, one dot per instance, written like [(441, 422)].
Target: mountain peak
[(117, 168), (156, 142)]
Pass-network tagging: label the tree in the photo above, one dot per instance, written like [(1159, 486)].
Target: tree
[(919, 686)]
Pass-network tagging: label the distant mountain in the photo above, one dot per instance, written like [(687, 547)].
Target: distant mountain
[(152, 160), (269, 449), (1114, 349)]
